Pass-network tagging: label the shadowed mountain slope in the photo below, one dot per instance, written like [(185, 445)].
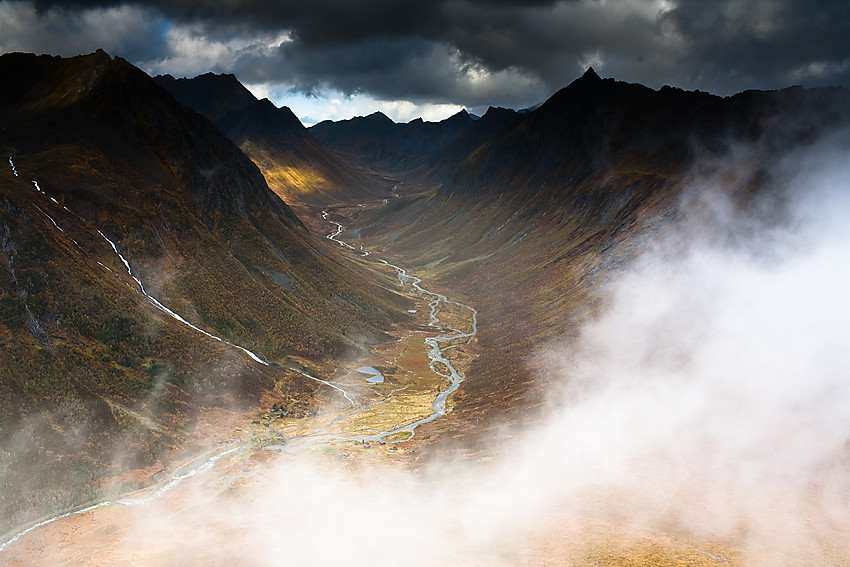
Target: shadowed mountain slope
[(421, 153), (541, 217), (295, 165), (595, 125), (142, 254), (212, 95)]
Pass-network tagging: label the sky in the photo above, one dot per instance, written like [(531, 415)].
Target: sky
[(333, 59)]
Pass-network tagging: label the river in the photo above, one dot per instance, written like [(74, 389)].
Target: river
[(435, 351), (436, 355), (438, 362)]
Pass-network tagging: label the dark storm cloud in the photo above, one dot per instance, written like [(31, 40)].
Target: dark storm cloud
[(134, 31), (316, 21), (510, 52), (734, 45), (410, 69)]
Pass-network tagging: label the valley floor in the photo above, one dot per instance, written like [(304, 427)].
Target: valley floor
[(361, 421), (347, 484)]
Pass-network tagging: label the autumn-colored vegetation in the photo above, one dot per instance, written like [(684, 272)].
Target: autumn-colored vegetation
[(111, 152)]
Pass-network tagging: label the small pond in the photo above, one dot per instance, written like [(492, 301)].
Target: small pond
[(375, 376)]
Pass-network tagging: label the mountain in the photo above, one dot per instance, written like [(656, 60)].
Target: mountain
[(212, 95), (594, 125), (541, 216), (295, 165), (422, 153), (152, 286)]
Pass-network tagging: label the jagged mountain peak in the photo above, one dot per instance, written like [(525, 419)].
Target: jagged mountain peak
[(461, 117), (232, 107), (212, 95), (378, 115), (595, 123), (50, 81), (296, 166), (230, 77), (591, 75), (497, 113), (283, 111)]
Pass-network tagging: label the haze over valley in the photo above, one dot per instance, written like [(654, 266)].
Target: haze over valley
[(606, 329)]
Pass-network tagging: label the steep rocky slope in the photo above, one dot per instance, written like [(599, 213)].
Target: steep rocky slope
[(295, 165), (143, 257)]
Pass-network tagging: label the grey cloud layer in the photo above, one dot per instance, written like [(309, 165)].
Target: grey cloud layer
[(472, 52)]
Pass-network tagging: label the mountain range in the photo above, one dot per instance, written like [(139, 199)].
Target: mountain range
[(157, 282), (545, 213), (295, 165), (419, 153)]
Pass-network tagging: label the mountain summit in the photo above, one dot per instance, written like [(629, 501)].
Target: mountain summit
[(212, 95), (590, 75)]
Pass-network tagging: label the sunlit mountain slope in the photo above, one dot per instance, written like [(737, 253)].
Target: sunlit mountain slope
[(295, 165)]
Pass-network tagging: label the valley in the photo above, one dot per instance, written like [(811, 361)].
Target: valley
[(359, 432), (127, 260), (603, 331), (384, 414)]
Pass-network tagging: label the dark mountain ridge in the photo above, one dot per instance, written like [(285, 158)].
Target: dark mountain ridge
[(422, 153), (90, 104), (262, 119), (212, 95), (594, 124)]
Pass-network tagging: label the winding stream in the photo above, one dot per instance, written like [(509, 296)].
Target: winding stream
[(437, 358), (437, 361), (436, 354)]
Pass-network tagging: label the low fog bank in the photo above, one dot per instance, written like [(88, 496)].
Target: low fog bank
[(709, 399), (712, 393)]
